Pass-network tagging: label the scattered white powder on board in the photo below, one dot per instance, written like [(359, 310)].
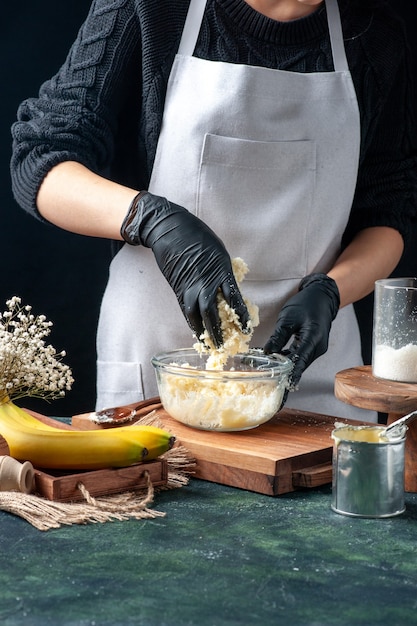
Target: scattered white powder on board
[(400, 365)]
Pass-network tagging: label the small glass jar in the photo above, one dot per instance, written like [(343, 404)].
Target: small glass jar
[(394, 351)]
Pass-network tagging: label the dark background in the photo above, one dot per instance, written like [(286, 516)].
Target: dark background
[(60, 274)]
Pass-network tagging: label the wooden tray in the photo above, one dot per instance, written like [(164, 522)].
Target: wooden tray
[(292, 451), (4, 448), (63, 486)]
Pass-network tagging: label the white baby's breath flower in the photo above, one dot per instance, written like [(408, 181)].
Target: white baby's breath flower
[(29, 367)]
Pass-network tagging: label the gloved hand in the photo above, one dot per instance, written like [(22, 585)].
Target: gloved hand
[(191, 257), (308, 316)]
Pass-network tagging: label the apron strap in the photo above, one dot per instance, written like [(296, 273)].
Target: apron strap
[(195, 16), (336, 36), (192, 27)]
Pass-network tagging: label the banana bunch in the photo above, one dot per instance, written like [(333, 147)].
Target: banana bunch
[(48, 447)]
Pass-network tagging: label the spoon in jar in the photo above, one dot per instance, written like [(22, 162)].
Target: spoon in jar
[(397, 429)]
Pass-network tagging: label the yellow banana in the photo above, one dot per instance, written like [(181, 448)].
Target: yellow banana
[(26, 420), (156, 440), (45, 446)]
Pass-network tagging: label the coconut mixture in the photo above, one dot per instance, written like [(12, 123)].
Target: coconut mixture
[(220, 405), (234, 340), (223, 404)]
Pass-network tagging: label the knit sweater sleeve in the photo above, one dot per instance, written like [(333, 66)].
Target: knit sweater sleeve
[(75, 116), (386, 191)]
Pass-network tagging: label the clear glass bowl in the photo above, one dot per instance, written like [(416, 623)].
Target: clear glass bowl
[(246, 394)]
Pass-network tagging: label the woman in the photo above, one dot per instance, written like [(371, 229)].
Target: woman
[(241, 126)]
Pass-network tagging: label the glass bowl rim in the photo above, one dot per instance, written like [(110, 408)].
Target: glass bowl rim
[(277, 366)]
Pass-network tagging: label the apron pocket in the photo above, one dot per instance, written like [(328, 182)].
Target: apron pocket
[(118, 383), (257, 197)]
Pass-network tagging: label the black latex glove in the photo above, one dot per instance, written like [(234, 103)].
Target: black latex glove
[(191, 257), (308, 316)]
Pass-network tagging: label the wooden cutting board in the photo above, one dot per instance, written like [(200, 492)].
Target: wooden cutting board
[(291, 451)]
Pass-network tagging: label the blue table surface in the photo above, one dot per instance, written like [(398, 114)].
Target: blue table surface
[(221, 556)]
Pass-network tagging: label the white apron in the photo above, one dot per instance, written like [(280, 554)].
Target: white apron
[(268, 159)]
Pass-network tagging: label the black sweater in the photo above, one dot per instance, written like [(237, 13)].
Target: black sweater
[(104, 106)]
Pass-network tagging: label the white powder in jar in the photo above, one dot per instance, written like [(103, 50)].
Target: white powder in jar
[(399, 365)]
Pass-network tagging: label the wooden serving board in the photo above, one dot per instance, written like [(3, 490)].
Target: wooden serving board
[(4, 448), (357, 386), (291, 451), (63, 486)]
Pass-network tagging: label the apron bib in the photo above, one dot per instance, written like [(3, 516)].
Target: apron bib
[(268, 159)]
